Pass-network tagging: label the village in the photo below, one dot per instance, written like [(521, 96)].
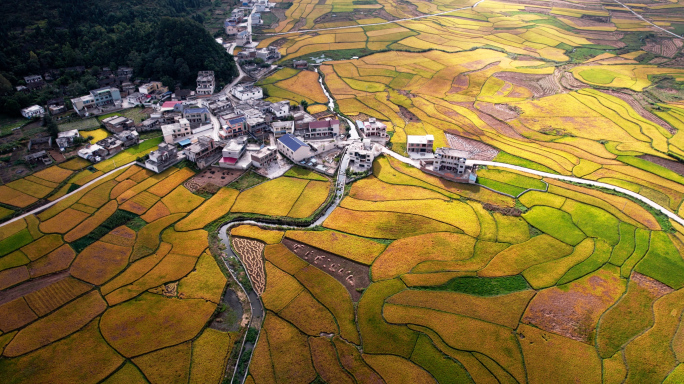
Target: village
[(234, 128)]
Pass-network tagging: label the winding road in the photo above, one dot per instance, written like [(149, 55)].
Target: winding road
[(648, 21)]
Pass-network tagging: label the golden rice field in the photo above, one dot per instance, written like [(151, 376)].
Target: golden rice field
[(133, 259), (510, 284)]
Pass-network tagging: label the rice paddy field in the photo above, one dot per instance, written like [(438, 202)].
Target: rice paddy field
[(118, 278), (411, 279), (557, 292)]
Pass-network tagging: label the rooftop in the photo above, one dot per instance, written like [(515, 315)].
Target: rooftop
[(413, 139), (291, 142)]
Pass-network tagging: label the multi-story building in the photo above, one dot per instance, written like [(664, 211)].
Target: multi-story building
[(116, 124), (203, 152), (97, 98), (218, 107), (419, 144), (267, 54), (361, 155), (293, 148), (449, 160), (176, 132), (66, 139), (264, 157), (152, 87), (205, 83), (320, 129), (281, 128), (233, 125), (280, 109), (33, 111), (164, 157), (196, 115), (243, 38), (232, 152), (247, 92), (372, 128), (118, 142)]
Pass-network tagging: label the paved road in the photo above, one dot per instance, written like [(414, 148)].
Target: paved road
[(582, 181), (50, 204), (648, 21), (366, 25)]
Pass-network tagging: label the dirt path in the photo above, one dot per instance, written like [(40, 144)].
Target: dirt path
[(31, 286)]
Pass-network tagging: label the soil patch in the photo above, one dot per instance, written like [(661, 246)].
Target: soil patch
[(655, 287), (476, 150), (250, 252), (539, 85), (506, 211), (574, 311), (674, 166), (212, 178), (352, 275)]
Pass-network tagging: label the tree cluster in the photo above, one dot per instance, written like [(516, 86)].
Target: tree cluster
[(159, 39)]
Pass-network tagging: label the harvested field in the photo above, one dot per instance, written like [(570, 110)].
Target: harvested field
[(250, 252), (212, 177), (51, 297), (574, 310), (476, 150), (353, 276)]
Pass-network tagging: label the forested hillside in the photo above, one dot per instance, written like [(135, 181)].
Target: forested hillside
[(158, 38)]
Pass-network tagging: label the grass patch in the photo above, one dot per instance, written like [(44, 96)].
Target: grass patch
[(304, 173), (117, 219), (554, 222), (247, 180), (483, 286), (504, 157), (501, 187)]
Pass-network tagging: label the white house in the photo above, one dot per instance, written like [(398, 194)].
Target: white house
[(176, 131), (293, 148), (33, 111), (243, 38), (247, 92), (280, 109)]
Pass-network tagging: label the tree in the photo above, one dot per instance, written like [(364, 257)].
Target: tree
[(305, 105), (51, 126)]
